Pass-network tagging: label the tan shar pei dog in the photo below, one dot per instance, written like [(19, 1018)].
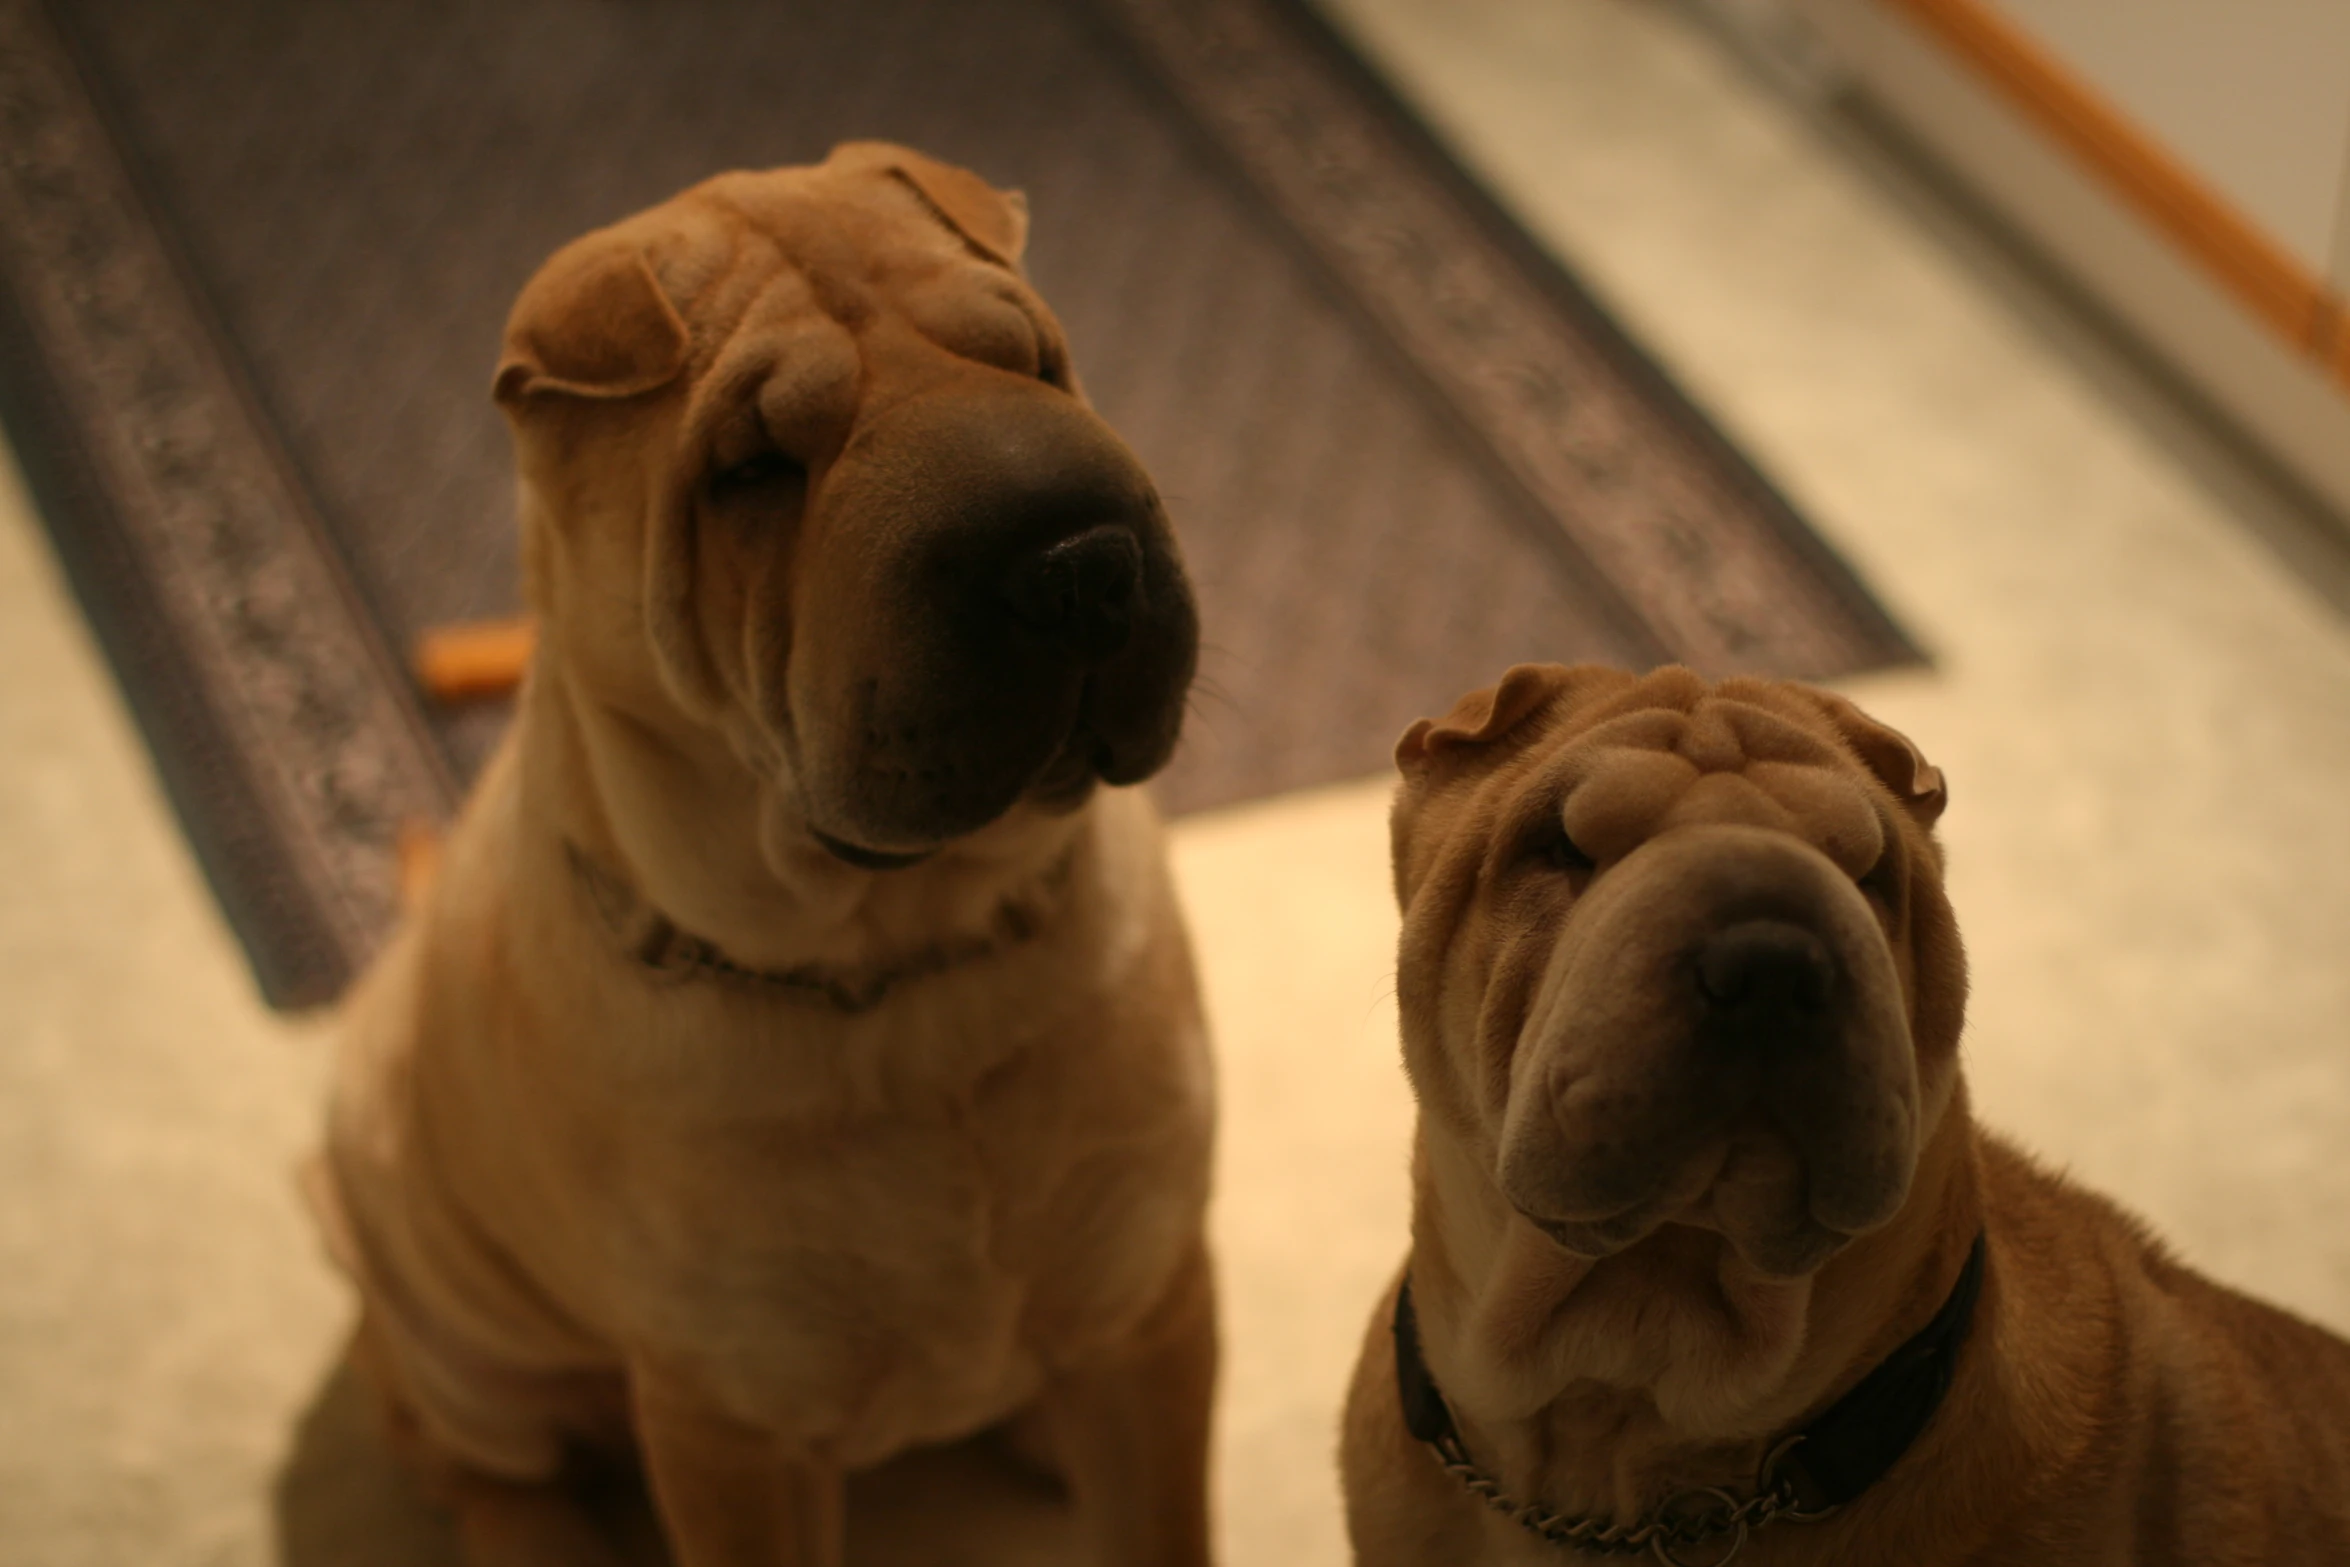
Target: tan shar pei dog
[(1709, 1258), (798, 1058)]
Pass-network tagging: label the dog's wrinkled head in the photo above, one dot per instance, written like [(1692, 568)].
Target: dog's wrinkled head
[(1677, 953), (804, 461)]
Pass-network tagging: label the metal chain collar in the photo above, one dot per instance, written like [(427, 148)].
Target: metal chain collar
[(1689, 1519), (659, 946)]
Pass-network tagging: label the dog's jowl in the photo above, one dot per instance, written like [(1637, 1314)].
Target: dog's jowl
[(797, 1058), (1709, 1259)]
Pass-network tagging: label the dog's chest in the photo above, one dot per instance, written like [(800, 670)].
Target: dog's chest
[(873, 1281), (845, 1286)]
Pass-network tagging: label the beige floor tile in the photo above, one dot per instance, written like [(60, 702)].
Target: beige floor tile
[(163, 1312), (1296, 928)]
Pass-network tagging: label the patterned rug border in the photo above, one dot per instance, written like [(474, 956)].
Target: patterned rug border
[(267, 695), (287, 733), (1506, 338)]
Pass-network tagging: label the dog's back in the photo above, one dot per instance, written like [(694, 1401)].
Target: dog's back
[(2204, 1426)]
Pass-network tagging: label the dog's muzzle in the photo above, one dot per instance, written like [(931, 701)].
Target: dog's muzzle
[(1081, 594), (1721, 1038), (1003, 615)]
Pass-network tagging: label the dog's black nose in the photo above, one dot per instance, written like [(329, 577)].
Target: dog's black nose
[(1082, 593), (1765, 969)]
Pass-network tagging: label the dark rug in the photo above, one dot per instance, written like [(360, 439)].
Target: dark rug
[(255, 256)]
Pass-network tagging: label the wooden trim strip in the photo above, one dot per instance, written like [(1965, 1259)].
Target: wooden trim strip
[(2238, 255), (2329, 339), (482, 658)]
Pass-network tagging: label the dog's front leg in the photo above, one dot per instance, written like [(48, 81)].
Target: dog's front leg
[(729, 1494), (1130, 1430), (506, 1525)]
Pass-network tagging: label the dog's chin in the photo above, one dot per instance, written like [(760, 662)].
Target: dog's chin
[(1788, 1254), (1594, 1239), (1789, 1249), (866, 859), (1062, 786), (1069, 779)]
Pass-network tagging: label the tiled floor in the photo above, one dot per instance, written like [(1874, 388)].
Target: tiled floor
[(2144, 715)]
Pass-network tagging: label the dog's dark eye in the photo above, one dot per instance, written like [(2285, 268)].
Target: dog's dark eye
[(1883, 882), (752, 473), (1549, 847)]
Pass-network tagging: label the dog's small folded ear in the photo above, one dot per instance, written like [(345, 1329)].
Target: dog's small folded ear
[(993, 222), (1916, 782), (593, 323), (1485, 716)]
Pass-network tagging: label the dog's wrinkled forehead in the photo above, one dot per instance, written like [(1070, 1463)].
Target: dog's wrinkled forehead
[(1723, 759), (882, 210), (1621, 758), (632, 308), (837, 242)]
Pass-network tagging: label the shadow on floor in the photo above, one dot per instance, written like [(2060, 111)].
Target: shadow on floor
[(343, 1500)]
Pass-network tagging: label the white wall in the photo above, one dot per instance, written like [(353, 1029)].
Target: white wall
[(2225, 91), (2251, 95)]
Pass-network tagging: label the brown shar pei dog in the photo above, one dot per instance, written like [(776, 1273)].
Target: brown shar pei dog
[(798, 1059), (1709, 1257)]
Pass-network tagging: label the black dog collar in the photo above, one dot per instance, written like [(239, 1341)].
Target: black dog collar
[(1841, 1453)]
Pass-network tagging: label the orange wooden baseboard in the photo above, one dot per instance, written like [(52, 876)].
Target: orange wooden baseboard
[(2262, 276), (484, 658), (417, 851)]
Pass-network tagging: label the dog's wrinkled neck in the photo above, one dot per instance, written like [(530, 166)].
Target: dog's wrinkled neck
[(667, 953), (1607, 1386), (720, 850)]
